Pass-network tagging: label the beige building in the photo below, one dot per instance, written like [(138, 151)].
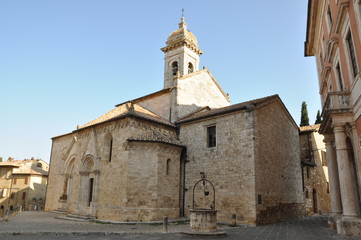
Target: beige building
[(140, 161), (333, 37), (23, 184), (314, 171)]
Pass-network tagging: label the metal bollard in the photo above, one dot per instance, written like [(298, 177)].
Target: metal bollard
[(234, 219), (165, 224)]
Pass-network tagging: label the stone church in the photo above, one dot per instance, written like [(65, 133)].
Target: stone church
[(140, 160)]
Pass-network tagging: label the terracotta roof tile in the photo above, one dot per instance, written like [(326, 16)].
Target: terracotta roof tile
[(31, 172), (205, 113), (126, 109), (310, 128), (155, 136)]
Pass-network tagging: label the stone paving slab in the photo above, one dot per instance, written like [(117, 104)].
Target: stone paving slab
[(45, 225)]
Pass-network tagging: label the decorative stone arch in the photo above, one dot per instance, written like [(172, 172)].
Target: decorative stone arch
[(69, 164), (68, 178), (87, 164)]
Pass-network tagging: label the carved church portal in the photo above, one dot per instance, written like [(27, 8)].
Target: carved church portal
[(86, 194)]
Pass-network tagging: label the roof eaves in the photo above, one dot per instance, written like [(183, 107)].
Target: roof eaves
[(155, 141), (128, 114), (248, 105)]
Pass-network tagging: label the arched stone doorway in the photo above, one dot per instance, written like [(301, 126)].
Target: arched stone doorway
[(86, 189)]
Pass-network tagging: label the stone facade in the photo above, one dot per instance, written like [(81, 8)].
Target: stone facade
[(22, 184), (314, 171), (139, 161), (139, 181), (333, 37), (248, 148)]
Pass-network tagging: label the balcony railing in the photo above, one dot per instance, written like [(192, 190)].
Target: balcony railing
[(337, 102)]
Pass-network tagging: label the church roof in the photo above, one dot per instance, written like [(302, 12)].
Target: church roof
[(155, 136), (126, 110), (206, 113)]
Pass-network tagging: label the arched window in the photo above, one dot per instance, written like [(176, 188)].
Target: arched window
[(108, 147), (168, 166), (39, 165), (174, 68), (190, 68)]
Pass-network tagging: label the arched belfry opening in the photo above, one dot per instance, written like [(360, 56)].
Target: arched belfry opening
[(174, 68), (190, 68)]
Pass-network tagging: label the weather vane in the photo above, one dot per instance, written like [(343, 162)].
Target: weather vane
[(182, 12)]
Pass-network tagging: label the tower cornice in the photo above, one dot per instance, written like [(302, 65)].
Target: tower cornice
[(184, 43)]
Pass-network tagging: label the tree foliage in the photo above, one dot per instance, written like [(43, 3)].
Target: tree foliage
[(318, 117), (305, 121)]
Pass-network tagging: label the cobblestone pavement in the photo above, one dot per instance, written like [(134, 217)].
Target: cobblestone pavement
[(45, 225)]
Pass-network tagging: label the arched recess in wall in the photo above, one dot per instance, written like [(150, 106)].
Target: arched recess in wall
[(87, 180), (68, 179)]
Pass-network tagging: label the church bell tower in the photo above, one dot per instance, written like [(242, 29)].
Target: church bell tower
[(181, 55)]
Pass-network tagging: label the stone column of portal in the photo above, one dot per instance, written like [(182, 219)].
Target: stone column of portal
[(336, 206), (348, 196)]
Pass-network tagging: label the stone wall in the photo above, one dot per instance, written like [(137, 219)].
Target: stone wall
[(229, 165), (159, 104), (277, 164), (130, 186), (316, 189), (195, 90), (56, 171)]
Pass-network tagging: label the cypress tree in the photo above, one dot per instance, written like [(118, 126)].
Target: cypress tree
[(318, 117), (304, 115)]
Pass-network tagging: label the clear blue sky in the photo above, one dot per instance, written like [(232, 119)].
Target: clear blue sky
[(65, 62)]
